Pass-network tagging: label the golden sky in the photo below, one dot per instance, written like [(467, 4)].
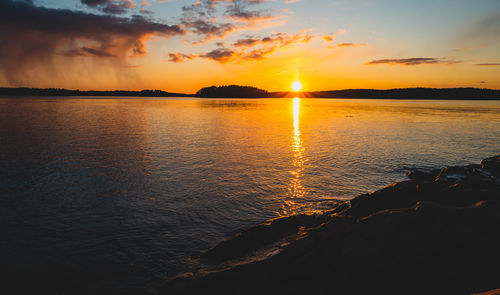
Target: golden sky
[(181, 46)]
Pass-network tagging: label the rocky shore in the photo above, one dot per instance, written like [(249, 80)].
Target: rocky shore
[(438, 232)]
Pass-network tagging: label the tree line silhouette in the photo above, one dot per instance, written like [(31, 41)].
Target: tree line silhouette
[(236, 91), (4, 91)]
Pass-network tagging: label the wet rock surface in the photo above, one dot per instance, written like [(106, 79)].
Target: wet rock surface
[(435, 233)]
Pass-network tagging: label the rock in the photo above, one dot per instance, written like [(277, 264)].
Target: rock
[(259, 236), (490, 292), (492, 164), (421, 175), (429, 235)]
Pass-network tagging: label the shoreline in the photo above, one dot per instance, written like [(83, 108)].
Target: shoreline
[(235, 91), (434, 233)]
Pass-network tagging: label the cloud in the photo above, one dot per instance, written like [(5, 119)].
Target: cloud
[(209, 19), (489, 64), (221, 55), (179, 57), (415, 61), (329, 38), (251, 48), (209, 29), (351, 44), (346, 45), (239, 11), (110, 6), (279, 39), (33, 36), (251, 16), (258, 54)]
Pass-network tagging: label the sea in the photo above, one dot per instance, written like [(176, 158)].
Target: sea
[(114, 195)]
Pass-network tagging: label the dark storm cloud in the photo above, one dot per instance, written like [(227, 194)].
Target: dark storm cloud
[(32, 36), (415, 61)]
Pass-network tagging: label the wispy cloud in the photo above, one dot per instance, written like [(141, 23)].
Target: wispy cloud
[(220, 54), (331, 37), (110, 6), (279, 39), (488, 64), (328, 38), (209, 19), (343, 45), (351, 44), (179, 57), (251, 48), (414, 61)]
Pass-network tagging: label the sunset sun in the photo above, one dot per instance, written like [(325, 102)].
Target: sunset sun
[(296, 85)]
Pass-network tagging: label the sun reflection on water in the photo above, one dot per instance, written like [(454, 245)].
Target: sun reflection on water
[(296, 189)]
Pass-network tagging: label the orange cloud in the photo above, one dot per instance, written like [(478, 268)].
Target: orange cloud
[(414, 61), (328, 38), (351, 44), (250, 48), (179, 57)]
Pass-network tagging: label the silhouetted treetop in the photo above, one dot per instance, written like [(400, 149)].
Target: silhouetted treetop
[(410, 93), (232, 91)]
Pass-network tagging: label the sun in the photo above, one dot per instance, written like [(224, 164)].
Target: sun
[(296, 85)]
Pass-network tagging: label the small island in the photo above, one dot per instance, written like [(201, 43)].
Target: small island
[(436, 233), (232, 91)]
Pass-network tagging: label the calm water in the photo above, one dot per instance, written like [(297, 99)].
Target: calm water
[(119, 192)]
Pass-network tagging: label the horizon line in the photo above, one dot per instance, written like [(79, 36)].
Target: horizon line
[(229, 85)]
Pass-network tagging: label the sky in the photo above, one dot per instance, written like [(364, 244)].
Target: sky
[(184, 45)]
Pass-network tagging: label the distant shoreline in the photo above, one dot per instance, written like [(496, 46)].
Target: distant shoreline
[(45, 92), (235, 91)]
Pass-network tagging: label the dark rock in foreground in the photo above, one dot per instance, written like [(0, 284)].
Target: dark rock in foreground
[(435, 233)]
